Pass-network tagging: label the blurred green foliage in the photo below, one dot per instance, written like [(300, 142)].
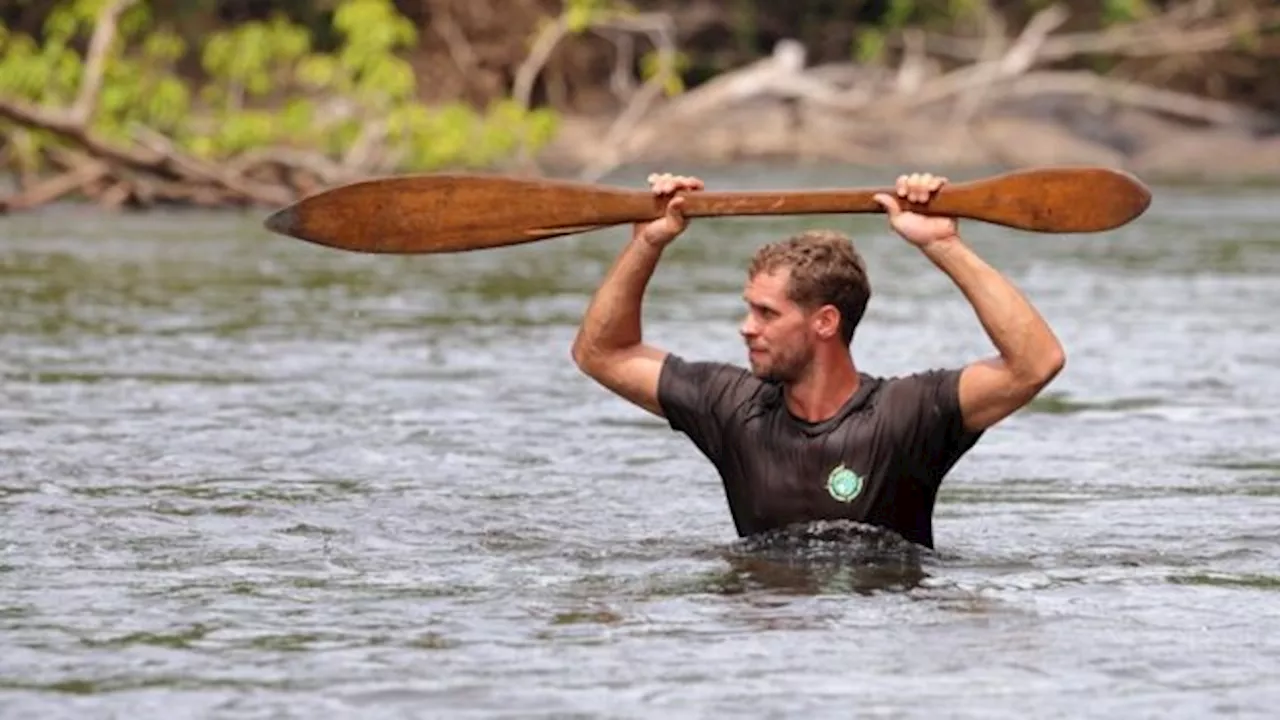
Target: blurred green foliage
[(263, 82)]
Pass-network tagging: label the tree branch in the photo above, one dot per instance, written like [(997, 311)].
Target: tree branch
[(104, 33), (460, 50), (543, 45), (660, 28)]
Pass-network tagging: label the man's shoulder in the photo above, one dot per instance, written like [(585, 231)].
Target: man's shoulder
[(706, 369), (715, 377), (916, 389), (917, 379), (701, 397)]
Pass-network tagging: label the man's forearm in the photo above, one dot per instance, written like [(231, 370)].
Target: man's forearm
[(1025, 341), (612, 319)]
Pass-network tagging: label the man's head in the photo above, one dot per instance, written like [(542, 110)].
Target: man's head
[(803, 293)]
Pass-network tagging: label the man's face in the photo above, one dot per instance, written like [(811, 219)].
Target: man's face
[(777, 331)]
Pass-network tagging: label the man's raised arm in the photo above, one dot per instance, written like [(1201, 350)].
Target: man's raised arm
[(609, 346), (1030, 355)]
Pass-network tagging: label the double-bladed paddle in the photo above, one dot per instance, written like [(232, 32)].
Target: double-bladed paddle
[(443, 213)]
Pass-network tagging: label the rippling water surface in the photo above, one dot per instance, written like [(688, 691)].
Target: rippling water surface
[(246, 477)]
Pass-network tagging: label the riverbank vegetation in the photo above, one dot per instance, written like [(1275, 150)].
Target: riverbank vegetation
[(134, 103)]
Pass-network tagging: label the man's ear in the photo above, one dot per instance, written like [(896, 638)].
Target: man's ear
[(827, 322)]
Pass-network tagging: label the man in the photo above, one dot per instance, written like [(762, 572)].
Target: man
[(804, 435)]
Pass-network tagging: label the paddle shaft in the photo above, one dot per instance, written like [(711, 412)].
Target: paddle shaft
[(810, 202), (634, 207)]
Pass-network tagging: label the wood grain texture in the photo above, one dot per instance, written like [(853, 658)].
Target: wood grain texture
[(444, 213)]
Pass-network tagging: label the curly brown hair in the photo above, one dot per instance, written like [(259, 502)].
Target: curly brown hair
[(825, 270)]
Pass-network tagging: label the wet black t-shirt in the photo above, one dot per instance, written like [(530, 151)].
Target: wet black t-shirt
[(879, 460)]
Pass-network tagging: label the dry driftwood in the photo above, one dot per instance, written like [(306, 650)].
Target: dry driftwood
[(997, 70)]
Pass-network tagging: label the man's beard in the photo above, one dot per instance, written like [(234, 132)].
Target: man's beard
[(784, 367)]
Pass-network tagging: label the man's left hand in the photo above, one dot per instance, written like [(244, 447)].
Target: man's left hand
[(919, 230)]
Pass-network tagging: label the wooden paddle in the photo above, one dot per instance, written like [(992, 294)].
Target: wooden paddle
[(445, 213)]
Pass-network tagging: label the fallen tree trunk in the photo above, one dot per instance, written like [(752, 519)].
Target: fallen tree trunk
[(51, 189)]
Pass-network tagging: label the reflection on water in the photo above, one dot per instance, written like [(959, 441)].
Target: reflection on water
[(244, 476)]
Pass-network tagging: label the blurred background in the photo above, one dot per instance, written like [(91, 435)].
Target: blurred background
[(137, 102), (244, 476)]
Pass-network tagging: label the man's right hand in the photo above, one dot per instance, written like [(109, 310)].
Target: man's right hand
[(666, 187)]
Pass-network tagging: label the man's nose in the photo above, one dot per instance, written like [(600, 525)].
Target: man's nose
[(748, 327)]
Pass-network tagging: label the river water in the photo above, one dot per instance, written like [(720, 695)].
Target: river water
[(247, 477)]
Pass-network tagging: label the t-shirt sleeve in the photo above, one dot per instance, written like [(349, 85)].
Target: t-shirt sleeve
[(699, 398), (932, 424)]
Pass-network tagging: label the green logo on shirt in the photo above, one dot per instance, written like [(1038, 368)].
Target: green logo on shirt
[(844, 484)]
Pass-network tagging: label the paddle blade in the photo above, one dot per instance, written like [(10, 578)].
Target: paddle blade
[(454, 212), (1048, 200)]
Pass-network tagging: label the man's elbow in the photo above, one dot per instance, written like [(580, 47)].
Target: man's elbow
[(588, 356), (582, 355), (1047, 367), (1054, 361)]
